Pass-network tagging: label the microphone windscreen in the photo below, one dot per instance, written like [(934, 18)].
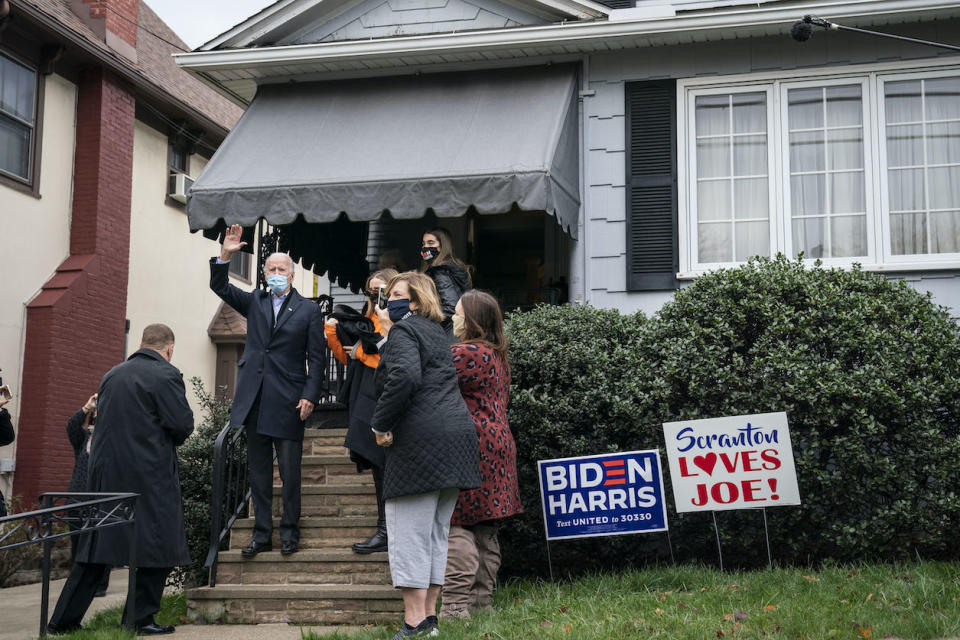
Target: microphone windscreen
[(801, 31)]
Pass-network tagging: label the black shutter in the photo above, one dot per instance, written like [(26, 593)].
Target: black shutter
[(652, 255)]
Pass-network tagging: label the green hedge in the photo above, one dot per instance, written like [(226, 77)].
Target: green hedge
[(867, 369)]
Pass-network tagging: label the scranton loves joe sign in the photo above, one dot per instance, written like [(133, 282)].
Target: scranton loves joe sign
[(740, 462), (602, 495)]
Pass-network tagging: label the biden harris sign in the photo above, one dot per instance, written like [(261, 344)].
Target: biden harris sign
[(603, 495)]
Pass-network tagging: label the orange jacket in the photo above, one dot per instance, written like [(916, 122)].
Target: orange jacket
[(369, 359)]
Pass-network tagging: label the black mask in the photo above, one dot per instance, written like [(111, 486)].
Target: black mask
[(429, 253)]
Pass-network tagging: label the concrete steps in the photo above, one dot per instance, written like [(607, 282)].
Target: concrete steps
[(324, 582)]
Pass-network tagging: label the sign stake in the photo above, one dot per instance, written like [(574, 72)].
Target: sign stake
[(549, 561), (670, 545), (717, 530), (766, 534)]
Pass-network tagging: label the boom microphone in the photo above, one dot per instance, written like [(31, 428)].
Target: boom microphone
[(801, 31)]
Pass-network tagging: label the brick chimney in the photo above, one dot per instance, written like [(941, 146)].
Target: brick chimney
[(115, 21)]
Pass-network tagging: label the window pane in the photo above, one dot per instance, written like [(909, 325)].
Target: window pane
[(749, 113), (714, 242), (944, 184), (753, 239), (905, 145), (750, 155), (942, 98), (713, 115), (713, 200), (751, 198), (805, 110), (809, 237), (848, 236), (906, 190), (945, 231), (844, 106), (943, 143), (845, 149), (808, 194), (14, 147), (908, 233), (902, 101), (17, 88), (806, 151), (847, 193), (713, 158)]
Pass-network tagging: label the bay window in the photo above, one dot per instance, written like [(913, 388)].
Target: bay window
[(846, 169)]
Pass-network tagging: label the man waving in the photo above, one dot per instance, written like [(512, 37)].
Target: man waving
[(275, 390)]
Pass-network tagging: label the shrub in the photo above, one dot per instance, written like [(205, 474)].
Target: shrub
[(196, 482), (24, 557), (867, 369)]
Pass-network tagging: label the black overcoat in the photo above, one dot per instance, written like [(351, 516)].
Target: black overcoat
[(142, 417), (418, 399), (274, 358), (78, 436)]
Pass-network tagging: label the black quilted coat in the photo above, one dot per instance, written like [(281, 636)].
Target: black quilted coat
[(418, 399)]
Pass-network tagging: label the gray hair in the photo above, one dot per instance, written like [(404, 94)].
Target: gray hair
[(280, 254)]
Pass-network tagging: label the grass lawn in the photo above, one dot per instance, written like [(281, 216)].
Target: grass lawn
[(106, 624), (861, 602)]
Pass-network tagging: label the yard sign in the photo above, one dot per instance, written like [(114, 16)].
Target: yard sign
[(603, 495), (739, 462)]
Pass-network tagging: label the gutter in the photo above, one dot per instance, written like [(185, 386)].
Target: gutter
[(556, 34), (146, 88)]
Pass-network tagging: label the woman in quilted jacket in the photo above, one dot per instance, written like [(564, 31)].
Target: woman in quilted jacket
[(431, 445), (483, 371)]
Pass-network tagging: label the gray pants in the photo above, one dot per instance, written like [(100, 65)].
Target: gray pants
[(418, 527)]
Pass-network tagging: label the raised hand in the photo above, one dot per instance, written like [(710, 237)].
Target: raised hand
[(232, 242)]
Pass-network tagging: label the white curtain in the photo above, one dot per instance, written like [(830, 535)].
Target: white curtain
[(733, 193), (827, 176)]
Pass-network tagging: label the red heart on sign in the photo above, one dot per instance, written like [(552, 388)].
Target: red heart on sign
[(707, 462)]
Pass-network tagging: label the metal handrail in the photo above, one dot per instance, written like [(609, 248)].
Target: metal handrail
[(81, 512), (231, 492)]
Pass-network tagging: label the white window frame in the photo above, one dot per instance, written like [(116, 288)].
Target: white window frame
[(872, 77)]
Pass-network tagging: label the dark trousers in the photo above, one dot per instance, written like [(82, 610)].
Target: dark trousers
[(260, 450), (82, 584), (74, 541)]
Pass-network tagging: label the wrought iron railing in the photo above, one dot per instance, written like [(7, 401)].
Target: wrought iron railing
[(80, 513)]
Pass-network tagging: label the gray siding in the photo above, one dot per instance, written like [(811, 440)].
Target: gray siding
[(605, 135), (385, 18)]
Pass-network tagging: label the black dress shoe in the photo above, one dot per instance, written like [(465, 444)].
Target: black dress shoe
[(53, 630), (374, 544), (155, 629), (288, 548), (254, 548)]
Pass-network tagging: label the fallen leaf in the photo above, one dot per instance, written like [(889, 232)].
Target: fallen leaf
[(662, 596), (681, 605), (811, 578), (770, 607), (733, 587), (728, 617), (567, 628), (740, 615), (720, 633), (865, 633), (564, 609), (869, 597), (658, 611), (844, 602), (546, 623)]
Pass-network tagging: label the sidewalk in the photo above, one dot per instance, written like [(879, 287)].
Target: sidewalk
[(20, 616)]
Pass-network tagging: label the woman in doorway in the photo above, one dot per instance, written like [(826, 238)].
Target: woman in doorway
[(361, 358), (450, 275), (483, 371), (431, 445)]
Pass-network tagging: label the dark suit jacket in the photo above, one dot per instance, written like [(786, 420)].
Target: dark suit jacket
[(274, 359), (142, 417)]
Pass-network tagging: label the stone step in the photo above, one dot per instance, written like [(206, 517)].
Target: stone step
[(315, 604), (334, 501), (309, 566), (328, 470), (315, 533)]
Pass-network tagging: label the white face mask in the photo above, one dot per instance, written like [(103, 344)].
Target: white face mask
[(459, 325)]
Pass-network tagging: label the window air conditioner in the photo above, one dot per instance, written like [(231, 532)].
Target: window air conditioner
[(178, 186)]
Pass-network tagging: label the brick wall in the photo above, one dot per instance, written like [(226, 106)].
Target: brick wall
[(120, 16), (75, 326)]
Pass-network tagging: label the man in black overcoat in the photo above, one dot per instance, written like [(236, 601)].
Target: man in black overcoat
[(275, 390), (142, 417)]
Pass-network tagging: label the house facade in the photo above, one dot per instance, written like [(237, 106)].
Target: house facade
[(703, 134), (98, 131)]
